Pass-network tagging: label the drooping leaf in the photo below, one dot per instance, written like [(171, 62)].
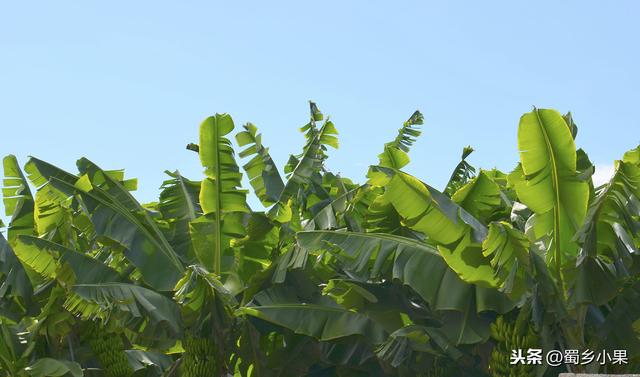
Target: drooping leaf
[(481, 196), (141, 309), (323, 321), (419, 266), (508, 249), (48, 367), (15, 286), (48, 258), (43, 263), (113, 184), (158, 362), (611, 213), (40, 172), (606, 237), (145, 248), (382, 217), (402, 344), (110, 206), (457, 233)]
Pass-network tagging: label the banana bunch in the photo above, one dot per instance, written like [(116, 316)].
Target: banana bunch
[(109, 350), (511, 336), (198, 359)]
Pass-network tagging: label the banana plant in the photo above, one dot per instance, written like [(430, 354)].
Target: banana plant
[(91, 271), (387, 278), (542, 235)]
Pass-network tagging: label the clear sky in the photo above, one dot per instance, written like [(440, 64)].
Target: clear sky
[(126, 83)]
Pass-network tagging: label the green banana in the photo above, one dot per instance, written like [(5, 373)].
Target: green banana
[(109, 349), (198, 359), (508, 336)]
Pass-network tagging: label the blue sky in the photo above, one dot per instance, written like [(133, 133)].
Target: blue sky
[(126, 84)]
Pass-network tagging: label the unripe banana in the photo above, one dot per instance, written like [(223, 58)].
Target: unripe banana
[(198, 358), (109, 348), (510, 336)]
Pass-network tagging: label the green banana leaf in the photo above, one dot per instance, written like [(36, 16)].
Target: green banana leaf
[(156, 361), (324, 321), (40, 172), (328, 216), (15, 287), (508, 249), (179, 198), (97, 290), (481, 196), (399, 348), (607, 237), (220, 197), (51, 214), (111, 182), (145, 248), (179, 205), (395, 152), (619, 328), (17, 198), (461, 174), (419, 266), (48, 367), (547, 182), (301, 168), (262, 171), (49, 259), (144, 311), (457, 233)]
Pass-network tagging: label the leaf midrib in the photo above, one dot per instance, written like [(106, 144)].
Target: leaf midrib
[(379, 236), (218, 215), (556, 190)]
